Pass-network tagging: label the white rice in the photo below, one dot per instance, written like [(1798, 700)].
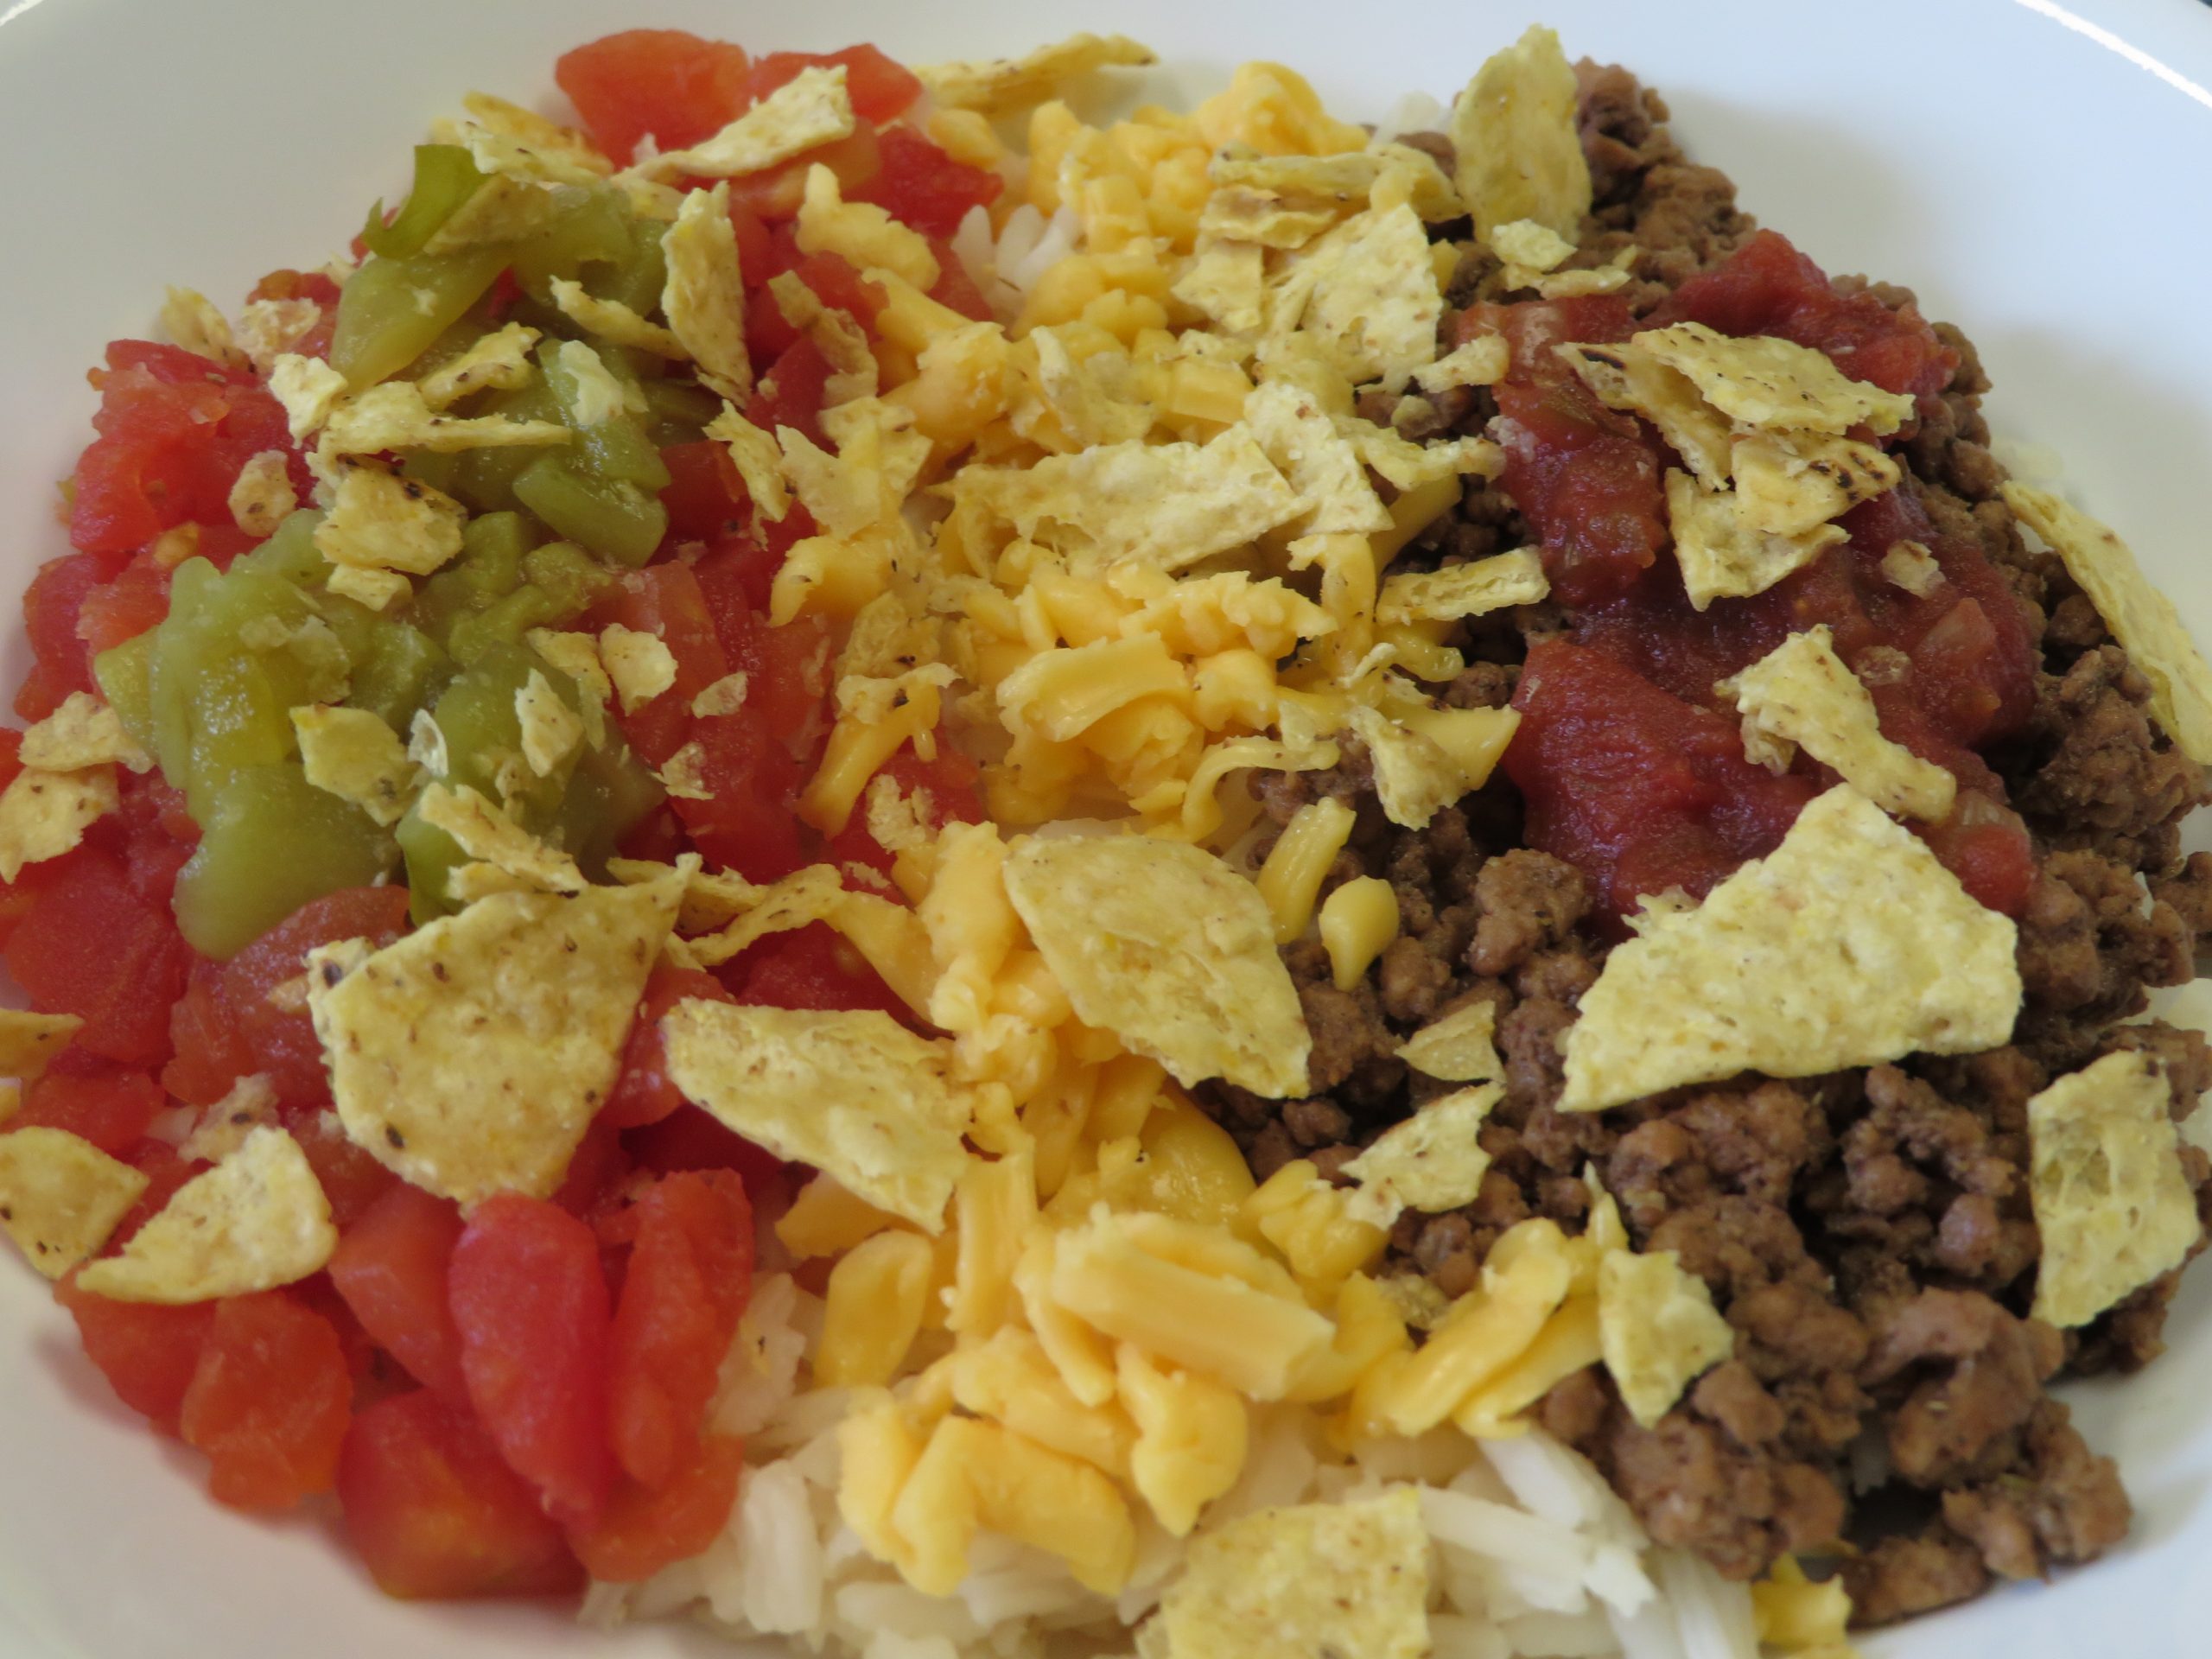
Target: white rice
[(1534, 1556)]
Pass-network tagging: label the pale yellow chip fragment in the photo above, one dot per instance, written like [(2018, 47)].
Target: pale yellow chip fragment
[(1472, 589), (61, 1195), (550, 731), (1910, 566), (377, 589), (1348, 1578), (1164, 504), (599, 396), (995, 85), (1431, 1162), (483, 831), (1531, 244), (811, 109), (262, 494), (1626, 377), (380, 521), (1801, 693), (83, 732), (1481, 361), (1458, 1048), (249, 1104), (2112, 1203), (1364, 297), (193, 321), (497, 361), (853, 1093), (1787, 483), (813, 894), (861, 233), (1657, 1330), (759, 462), (1774, 384), (724, 696), (575, 655), (1847, 945), (704, 296), (504, 208), (1724, 556), (29, 1040), (255, 1221), (44, 814), (1299, 437), (1513, 130), (353, 755), (426, 745), (309, 389), (563, 154), (614, 322), (1166, 946), (394, 415), (471, 1055), (639, 665), (268, 329), (2141, 617), (1415, 777)]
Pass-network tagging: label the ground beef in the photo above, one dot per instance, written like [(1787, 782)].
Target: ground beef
[(1867, 1235)]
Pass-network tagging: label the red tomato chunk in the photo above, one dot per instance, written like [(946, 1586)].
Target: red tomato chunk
[(662, 81), (147, 1352), (644, 1530), (269, 1402), (390, 1267)]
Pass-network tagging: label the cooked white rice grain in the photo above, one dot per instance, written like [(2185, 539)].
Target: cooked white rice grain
[(1713, 1616)]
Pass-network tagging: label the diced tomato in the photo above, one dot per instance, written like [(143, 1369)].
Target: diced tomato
[(530, 1304), (705, 497), (643, 1093), (690, 1138), (122, 609), (955, 288), (434, 1512), (658, 836), (211, 1052), (791, 392), (390, 1269), (52, 605), (787, 671), (664, 599), (270, 1402), (1638, 789), (753, 251), (879, 88), (942, 790), (1986, 845), (1587, 479), (769, 334), (690, 1274), (152, 832), (147, 1351), (165, 1171), (738, 574), (644, 1530), (108, 1106), (315, 285), (90, 946), (773, 194), (1533, 328), (675, 86), (748, 822), (923, 187), (810, 967), (596, 1168)]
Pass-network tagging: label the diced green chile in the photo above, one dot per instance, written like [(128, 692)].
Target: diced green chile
[(445, 177), (270, 842), (612, 518), (391, 311)]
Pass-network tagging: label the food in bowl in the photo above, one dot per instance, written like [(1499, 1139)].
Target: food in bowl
[(847, 857)]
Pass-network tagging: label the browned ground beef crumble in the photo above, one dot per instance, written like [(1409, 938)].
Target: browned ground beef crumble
[(1868, 1233)]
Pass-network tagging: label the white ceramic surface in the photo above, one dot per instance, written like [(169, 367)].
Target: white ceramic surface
[(2035, 172)]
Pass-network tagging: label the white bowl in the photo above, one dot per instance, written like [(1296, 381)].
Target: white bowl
[(2035, 172)]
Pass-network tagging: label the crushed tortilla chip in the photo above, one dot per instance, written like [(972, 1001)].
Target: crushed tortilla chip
[(1787, 483), (853, 1093), (1513, 130), (1414, 778), (1472, 589), (600, 395), (614, 322), (1774, 384), (471, 1055), (394, 416), (559, 147), (255, 1221), (704, 296), (83, 732), (1800, 695), (1348, 1578), (353, 755), (1364, 297), (2111, 1200), (2141, 617), (996, 85), (191, 319), (44, 814), (550, 730), (1481, 361), (639, 665), (1304, 444), (811, 109), (380, 521), (1431, 1162), (1626, 377), (724, 696), (426, 745), (1226, 283), (1457, 1047), (29, 1040), (1722, 554), (377, 589), (485, 832), (309, 389), (759, 462), (1531, 245), (1910, 566), (262, 494), (1847, 945), (1657, 1329), (60, 1196), (225, 1124), (805, 896), (1165, 505), (497, 361), (504, 208), (268, 329), (684, 774), (1166, 946)]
